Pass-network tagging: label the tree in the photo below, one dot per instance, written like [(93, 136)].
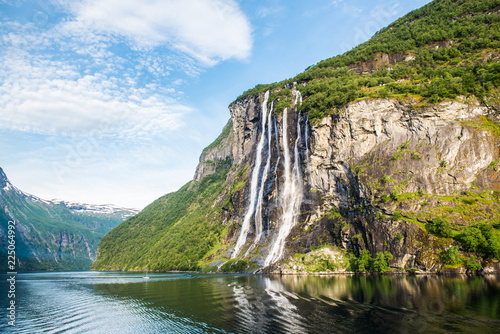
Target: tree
[(380, 263)]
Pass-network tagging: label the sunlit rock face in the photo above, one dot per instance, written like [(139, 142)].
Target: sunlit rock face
[(364, 177)]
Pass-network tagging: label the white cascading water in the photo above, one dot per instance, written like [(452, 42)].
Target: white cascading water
[(306, 140), (291, 196), (306, 135), (254, 183), (276, 136), (297, 173), (259, 226), (298, 96)]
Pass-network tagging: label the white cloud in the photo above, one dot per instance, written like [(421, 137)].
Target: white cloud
[(263, 12), (315, 10), (94, 85), (209, 31), (45, 96), (352, 10), (71, 76)]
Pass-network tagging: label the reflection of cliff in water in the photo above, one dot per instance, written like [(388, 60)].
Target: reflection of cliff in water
[(312, 304), (435, 294)]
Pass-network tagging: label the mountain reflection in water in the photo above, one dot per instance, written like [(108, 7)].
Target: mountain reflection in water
[(96, 302)]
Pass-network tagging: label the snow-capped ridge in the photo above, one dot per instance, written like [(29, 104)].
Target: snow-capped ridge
[(75, 207)]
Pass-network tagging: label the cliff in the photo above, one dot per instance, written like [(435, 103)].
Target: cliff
[(383, 158), (371, 176)]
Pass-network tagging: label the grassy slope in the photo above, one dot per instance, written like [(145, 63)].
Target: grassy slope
[(173, 233)]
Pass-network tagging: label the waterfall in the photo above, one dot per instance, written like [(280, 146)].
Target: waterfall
[(254, 183), (306, 135), (290, 190), (298, 96), (276, 136), (306, 140), (297, 181), (291, 196), (259, 226)]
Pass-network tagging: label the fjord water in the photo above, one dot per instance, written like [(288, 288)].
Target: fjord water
[(96, 302)]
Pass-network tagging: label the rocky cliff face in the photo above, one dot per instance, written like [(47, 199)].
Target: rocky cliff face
[(213, 157), (367, 177)]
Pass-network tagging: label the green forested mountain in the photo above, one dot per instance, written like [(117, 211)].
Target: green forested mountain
[(174, 232), (53, 235), (392, 156), (440, 51)]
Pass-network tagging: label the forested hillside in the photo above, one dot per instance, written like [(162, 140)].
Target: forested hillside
[(53, 235), (440, 51)]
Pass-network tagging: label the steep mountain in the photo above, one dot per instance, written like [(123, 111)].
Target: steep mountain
[(384, 157), (53, 235)]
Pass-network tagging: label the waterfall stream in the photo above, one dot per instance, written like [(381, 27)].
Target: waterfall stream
[(254, 183), (306, 140), (291, 196), (290, 190), (259, 226), (298, 96)]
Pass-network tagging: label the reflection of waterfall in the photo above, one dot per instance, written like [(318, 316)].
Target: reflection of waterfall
[(291, 196), (259, 226), (260, 312), (254, 183), (252, 312), (291, 320)]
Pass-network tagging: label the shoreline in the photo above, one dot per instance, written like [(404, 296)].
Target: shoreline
[(345, 273), (446, 273)]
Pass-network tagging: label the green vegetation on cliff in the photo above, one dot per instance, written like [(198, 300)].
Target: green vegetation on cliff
[(465, 221), (364, 262), (440, 51), (225, 132), (173, 233), (50, 235)]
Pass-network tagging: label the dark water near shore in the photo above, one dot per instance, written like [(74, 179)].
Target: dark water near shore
[(92, 302)]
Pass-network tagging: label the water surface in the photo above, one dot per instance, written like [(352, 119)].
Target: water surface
[(110, 302)]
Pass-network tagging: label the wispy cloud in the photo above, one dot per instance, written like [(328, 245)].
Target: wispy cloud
[(111, 62), (96, 86), (316, 10), (209, 31), (263, 12), (45, 96), (351, 10)]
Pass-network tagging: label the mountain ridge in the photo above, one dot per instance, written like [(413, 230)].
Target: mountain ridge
[(334, 171), (56, 234)]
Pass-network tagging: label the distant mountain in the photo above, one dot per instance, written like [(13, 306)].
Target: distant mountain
[(54, 235)]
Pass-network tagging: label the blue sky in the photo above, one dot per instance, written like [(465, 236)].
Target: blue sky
[(112, 101)]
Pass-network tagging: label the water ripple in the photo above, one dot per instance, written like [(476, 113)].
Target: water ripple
[(178, 303)]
